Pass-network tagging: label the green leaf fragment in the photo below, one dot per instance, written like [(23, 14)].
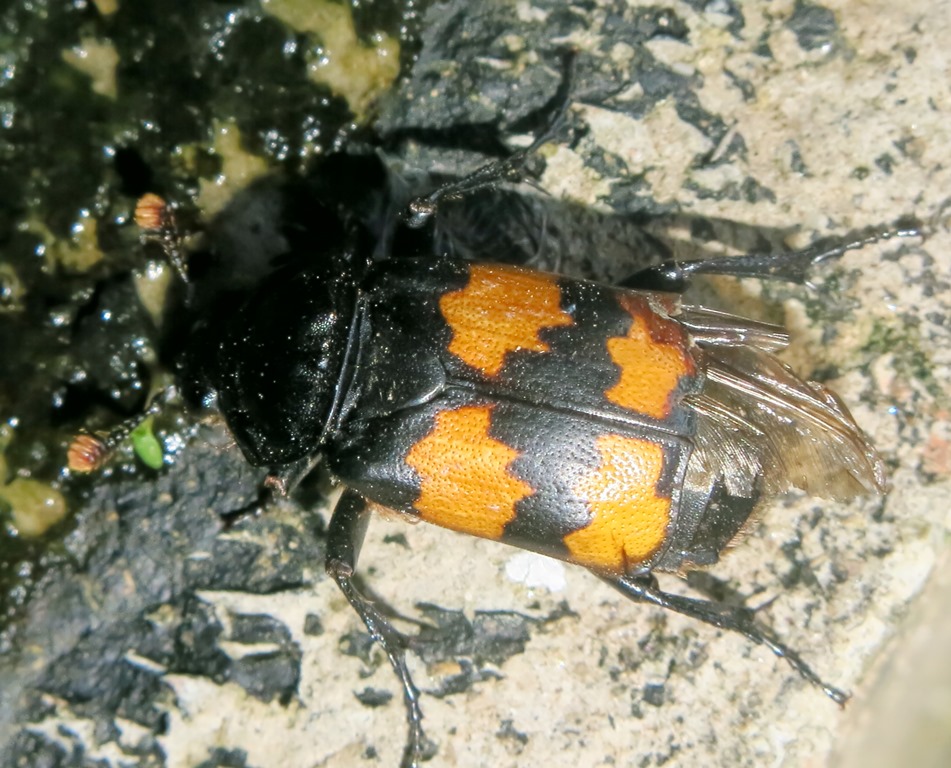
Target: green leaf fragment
[(147, 446)]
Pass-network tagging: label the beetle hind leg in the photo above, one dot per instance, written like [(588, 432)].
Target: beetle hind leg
[(789, 266), (644, 589), (348, 526)]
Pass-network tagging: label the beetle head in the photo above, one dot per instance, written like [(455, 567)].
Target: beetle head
[(279, 363)]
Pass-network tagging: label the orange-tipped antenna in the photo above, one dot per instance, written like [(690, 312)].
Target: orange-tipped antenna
[(87, 453), (152, 213), (157, 219)]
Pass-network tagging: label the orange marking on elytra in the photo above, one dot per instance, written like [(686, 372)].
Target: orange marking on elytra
[(465, 484), (629, 520), (501, 310), (652, 357)]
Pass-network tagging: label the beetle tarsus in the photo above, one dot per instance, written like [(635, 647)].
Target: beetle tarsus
[(348, 526), (734, 618)]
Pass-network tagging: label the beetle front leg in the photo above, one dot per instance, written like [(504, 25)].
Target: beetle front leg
[(644, 589), (348, 526)]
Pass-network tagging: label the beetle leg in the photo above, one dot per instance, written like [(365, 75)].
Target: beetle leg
[(283, 481), (790, 266), (511, 168), (644, 589), (348, 526)]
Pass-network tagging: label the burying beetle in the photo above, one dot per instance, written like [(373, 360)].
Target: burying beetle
[(611, 426)]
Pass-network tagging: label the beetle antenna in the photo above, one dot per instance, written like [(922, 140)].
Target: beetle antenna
[(89, 451), (157, 220)]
